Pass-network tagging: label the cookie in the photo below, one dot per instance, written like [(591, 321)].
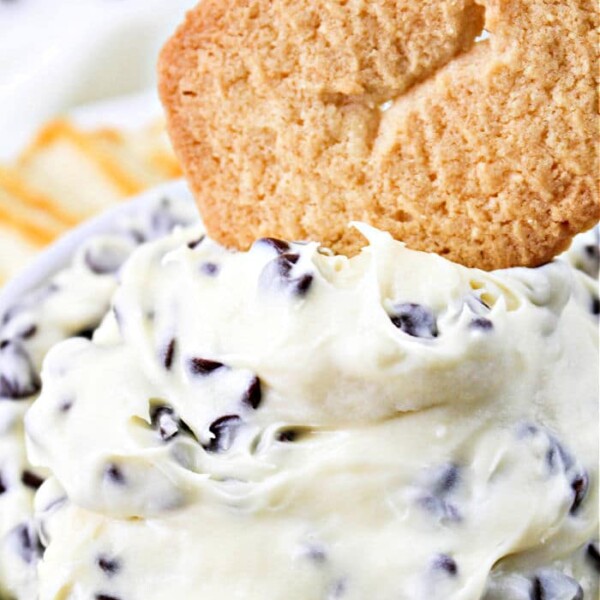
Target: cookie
[(293, 118)]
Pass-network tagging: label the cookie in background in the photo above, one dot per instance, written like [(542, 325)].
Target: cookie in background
[(68, 174)]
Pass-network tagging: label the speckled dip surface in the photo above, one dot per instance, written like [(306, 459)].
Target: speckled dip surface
[(285, 423)]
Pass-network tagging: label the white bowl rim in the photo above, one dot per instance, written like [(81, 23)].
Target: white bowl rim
[(59, 254)]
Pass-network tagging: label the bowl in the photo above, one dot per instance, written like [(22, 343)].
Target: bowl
[(58, 255)]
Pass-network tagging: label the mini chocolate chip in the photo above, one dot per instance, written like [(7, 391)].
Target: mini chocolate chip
[(4, 344), (557, 457), (105, 597), (481, 324), (114, 474), (593, 555), (579, 485), (415, 320), (278, 272), (595, 306), (139, 237), (446, 563), (279, 245), (169, 353), (287, 435), (3, 485), (86, 332), (28, 333), (18, 379), (223, 431), (9, 314), (537, 589), (106, 260), (65, 406), (209, 268), (447, 479), (551, 584), (592, 251), (443, 482), (203, 366), (31, 480), (163, 221), (28, 543), (164, 420), (285, 263), (315, 552), (302, 284), (591, 260), (194, 243), (253, 395), (441, 508), (110, 566)]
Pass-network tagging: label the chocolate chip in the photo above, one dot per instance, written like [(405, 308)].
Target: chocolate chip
[(202, 366), (279, 245), (579, 485), (86, 332), (106, 259), (65, 406), (481, 324), (165, 421), (169, 353), (287, 435), (18, 379), (591, 260), (595, 306), (537, 589), (593, 555), (552, 584), (194, 243), (223, 432), (31, 480), (27, 542), (209, 268), (443, 562), (592, 251), (9, 314), (557, 458), (110, 566), (114, 474), (415, 320), (105, 597), (442, 483), (447, 479), (278, 273), (285, 263), (163, 221), (315, 552), (445, 511), (302, 284), (28, 332), (253, 395), (138, 237), (3, 485)]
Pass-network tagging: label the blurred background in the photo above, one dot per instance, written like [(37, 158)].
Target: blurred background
[(80, 123)]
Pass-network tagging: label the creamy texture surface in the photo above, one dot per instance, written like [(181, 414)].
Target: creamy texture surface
[(284, 423), (72, 303)]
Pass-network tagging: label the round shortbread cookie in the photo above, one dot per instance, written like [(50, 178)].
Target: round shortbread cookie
[(293, 118)]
